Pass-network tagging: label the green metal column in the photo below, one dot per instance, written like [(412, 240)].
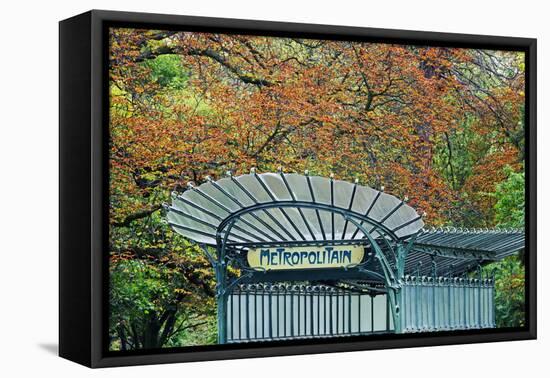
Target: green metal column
[(392, 284), (395, 299), (221, 282), (221, 299)]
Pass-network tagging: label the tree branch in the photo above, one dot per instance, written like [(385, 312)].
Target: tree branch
[(243, 76), (209, 53), (135, 216)]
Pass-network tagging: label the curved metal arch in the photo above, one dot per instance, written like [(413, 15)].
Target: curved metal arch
[(301, 205)]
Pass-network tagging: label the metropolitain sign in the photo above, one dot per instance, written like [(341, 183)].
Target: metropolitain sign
[(281, 258)]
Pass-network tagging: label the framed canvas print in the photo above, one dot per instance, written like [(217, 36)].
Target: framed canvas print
[(234, 188)]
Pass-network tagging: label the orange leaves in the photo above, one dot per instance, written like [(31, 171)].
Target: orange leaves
[(372, 111), (487, 174)]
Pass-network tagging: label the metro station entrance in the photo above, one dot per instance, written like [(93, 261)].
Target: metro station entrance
[(300, 256)]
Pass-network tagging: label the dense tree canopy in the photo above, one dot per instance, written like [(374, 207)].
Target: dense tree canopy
[(443, 126)]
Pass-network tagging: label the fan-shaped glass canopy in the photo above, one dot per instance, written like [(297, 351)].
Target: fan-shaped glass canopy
[(281, 207)]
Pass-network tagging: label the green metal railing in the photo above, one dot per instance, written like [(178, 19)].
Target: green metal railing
[(261, 312), (277, 312), (443, 303)]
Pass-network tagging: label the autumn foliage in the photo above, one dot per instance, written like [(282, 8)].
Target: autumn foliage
[(439, 125)]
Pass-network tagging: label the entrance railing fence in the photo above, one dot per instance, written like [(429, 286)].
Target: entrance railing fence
[(278, 312), (442, 303)]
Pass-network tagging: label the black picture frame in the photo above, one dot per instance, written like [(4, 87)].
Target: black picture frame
[(83, 196)]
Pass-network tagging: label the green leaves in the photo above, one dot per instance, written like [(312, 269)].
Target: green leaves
[(168, 71), (509, 292), (510, 272), (150, 298), (510, 196)]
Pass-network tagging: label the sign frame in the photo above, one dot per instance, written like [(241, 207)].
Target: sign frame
[(306, 258)]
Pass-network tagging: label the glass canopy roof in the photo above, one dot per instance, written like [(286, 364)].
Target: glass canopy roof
[(298, 208), (456, 250)]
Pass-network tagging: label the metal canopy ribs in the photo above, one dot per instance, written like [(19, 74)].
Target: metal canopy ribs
[(290, 208), (455, 250), (493, 243)]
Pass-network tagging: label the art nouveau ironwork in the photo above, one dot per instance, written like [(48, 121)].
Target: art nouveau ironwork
[(333, 234)]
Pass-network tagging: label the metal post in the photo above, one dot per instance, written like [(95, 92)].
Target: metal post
[(392, 283), (221, 299), (492, 296), (372, 312), (292, 311), (270, 321), (359, 312), (221, 283)]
